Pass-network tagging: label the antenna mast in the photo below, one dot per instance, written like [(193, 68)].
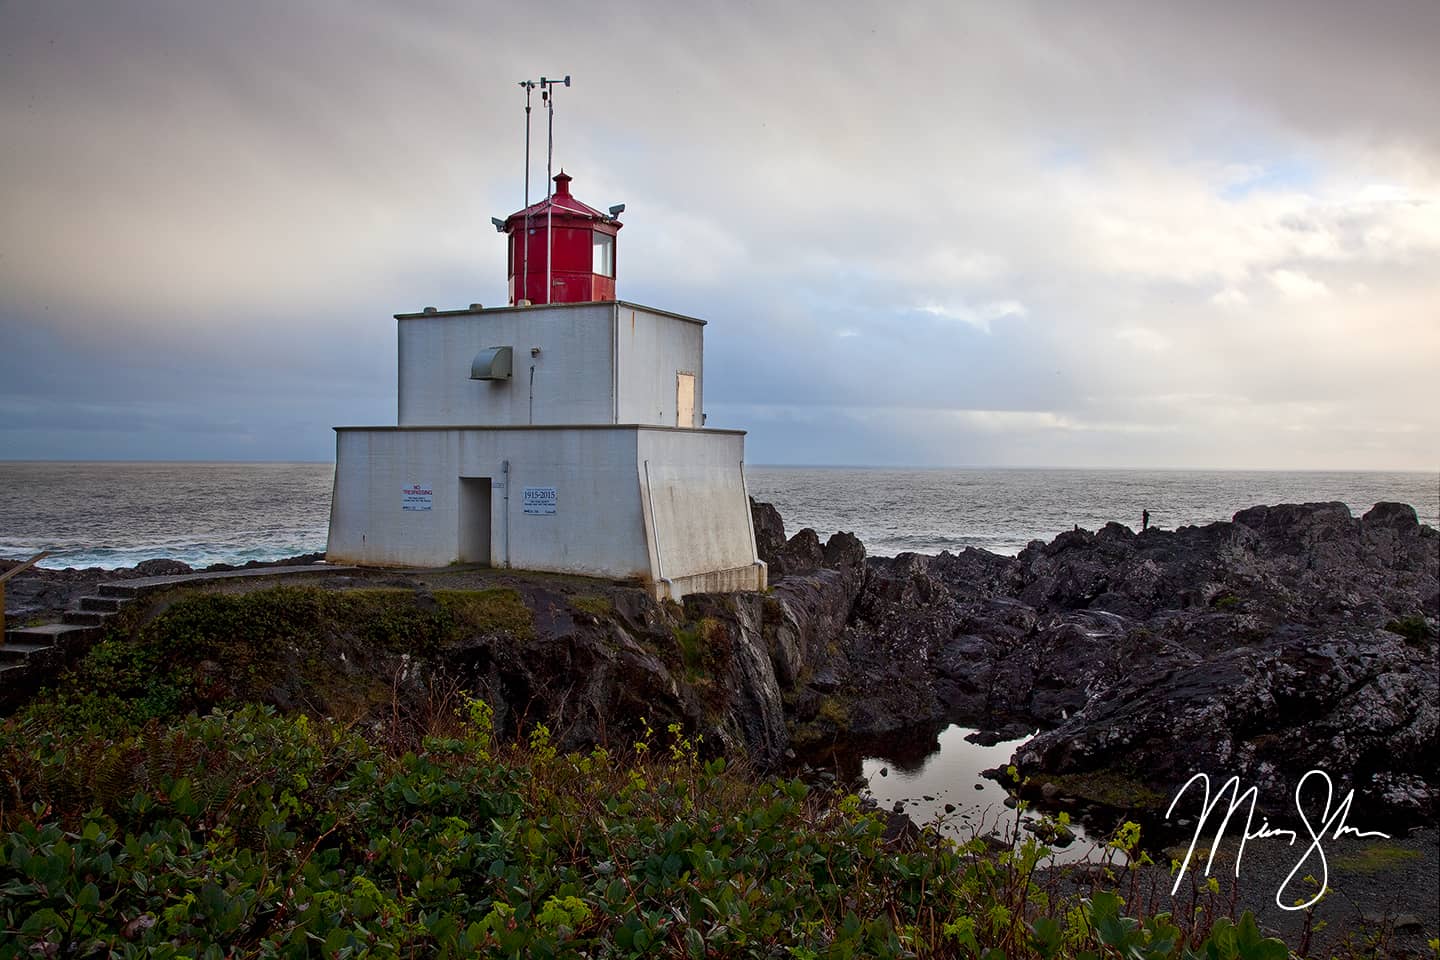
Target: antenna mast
[(547, 94), (524, 293)]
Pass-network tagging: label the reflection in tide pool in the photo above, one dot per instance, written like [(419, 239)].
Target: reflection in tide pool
[(949, 773)]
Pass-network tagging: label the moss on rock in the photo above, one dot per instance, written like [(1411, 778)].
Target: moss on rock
[(1110, 788), (499, 609)]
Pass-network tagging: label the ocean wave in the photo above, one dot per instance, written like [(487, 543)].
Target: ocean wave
[(118, 514)]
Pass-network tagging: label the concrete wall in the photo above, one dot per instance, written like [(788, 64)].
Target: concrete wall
[(696, 505), (653, 348), (597, 527), (573, 381), (655, 504), (634, 497), (599, 363)]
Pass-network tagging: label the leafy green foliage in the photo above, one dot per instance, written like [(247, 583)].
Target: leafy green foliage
[(209, 649), (247, 833), (1242, 941)]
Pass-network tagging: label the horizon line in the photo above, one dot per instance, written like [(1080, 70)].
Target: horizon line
[(806, 466)]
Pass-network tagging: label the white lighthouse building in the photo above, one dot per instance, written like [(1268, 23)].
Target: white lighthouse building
[(566, 436)]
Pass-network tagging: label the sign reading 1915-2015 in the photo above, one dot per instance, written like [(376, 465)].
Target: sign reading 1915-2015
[(538, 500), (417, 496)]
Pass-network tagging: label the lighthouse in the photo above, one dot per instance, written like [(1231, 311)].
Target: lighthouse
[(563, 432), (561, 250)]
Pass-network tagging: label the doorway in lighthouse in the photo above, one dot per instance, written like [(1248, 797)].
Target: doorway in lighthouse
[(475, 520), (684, 399)]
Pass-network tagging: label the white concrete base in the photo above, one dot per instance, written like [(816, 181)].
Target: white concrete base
[(666, 507)]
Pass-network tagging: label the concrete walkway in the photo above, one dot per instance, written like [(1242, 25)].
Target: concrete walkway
[(141, 586)]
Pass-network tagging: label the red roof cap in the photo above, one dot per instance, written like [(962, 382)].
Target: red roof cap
[(561, 204)]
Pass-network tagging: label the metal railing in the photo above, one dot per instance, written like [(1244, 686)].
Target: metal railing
[(6, 576)]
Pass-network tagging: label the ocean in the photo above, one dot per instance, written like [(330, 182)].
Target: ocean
[(115, 514), (1001, 510)]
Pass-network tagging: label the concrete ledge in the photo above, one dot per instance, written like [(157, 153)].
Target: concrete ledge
[(140, 586), (522, 427), (750, 577), (540, 307)]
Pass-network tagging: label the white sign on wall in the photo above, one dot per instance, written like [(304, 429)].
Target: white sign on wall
[(417, 496), (538, 501)]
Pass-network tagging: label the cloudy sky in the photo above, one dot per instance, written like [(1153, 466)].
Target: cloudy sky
[(1081, 234)]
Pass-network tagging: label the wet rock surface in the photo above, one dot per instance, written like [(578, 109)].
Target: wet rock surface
[(1291, 638)]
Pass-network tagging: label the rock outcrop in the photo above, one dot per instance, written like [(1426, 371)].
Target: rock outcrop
[(1292, 637)]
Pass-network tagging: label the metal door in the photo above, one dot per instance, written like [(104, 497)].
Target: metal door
[(684, 399)]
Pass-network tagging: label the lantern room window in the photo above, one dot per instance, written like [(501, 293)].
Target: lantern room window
[(603, 259)]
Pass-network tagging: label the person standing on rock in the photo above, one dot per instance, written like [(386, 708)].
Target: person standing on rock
[(1144, 520)]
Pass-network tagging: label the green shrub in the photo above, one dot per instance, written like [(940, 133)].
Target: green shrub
[(205, 649), (834, 710), (247, 833), (1413, 628), (702, 645)]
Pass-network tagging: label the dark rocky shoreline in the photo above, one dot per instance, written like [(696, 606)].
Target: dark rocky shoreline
[(1291, 638)]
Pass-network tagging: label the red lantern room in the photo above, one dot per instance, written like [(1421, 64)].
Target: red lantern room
[(562, 250)]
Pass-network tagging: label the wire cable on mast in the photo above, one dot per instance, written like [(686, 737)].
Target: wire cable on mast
[(547, 95), (524, 293)]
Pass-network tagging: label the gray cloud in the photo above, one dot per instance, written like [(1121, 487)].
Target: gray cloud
[(1115, 233)]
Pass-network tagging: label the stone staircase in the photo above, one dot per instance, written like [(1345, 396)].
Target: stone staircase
[(30, 654), (46, 645)]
